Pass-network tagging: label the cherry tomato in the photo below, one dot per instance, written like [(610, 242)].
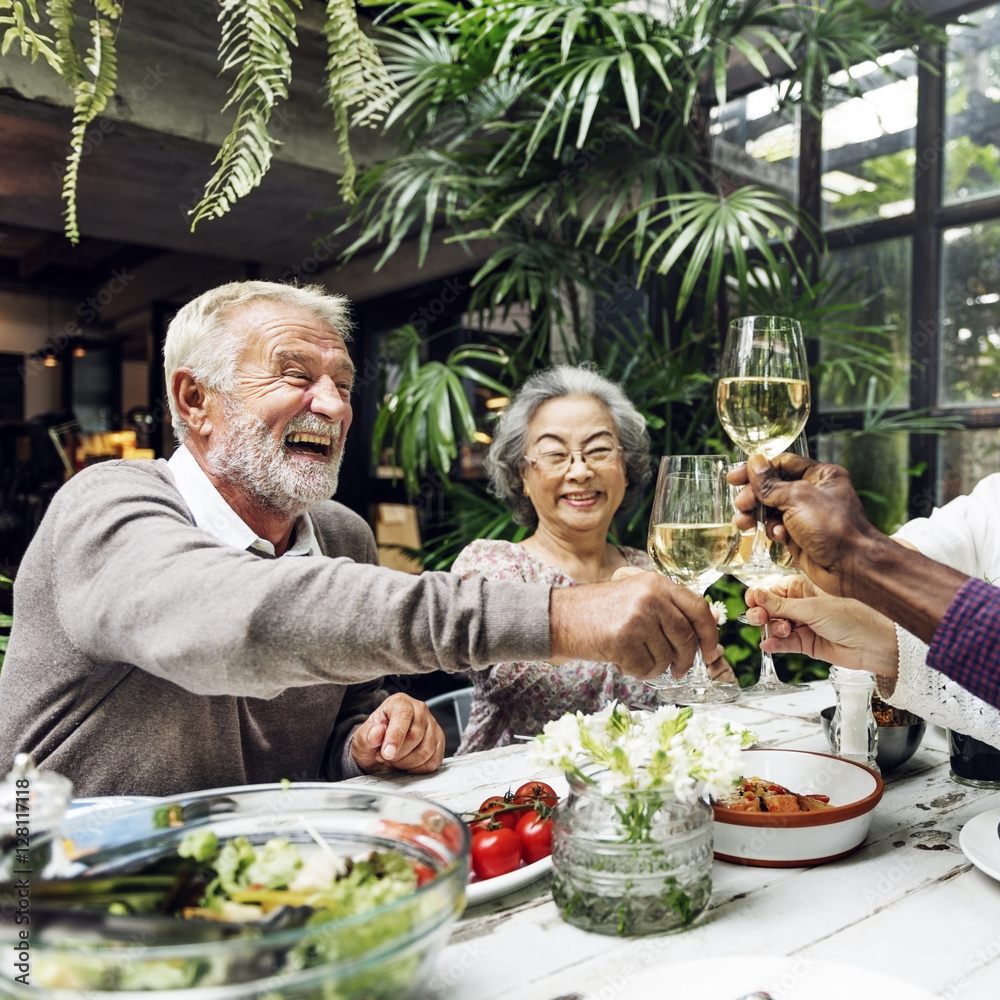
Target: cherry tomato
[(536, 836), (445, 830), (492, 805), (423, 872), (534, 791), (495, 852)]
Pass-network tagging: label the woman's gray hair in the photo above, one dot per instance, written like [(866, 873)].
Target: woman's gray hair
[(510, 438), (200, 336)]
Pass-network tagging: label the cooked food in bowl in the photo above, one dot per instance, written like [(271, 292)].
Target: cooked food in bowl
[(792, 839), (757, 795), (299, 891)]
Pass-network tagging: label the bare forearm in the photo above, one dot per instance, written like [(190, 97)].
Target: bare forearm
[(902, 584)]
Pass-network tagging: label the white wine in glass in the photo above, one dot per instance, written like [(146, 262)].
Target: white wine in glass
[(763, 392), (691, 539)]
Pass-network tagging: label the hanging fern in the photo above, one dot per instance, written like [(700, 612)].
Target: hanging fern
[(355, 77), (256, 41), (256, 36), (92, 81), (32, 44)]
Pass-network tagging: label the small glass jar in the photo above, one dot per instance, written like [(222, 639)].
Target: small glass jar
[(853, 730), (630, 863), (973, 762)]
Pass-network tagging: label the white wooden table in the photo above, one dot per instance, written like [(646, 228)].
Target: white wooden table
[(908, 903)]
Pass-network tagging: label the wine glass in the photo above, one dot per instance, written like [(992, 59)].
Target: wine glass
[(765, 564), (763, 392), (691, 539)]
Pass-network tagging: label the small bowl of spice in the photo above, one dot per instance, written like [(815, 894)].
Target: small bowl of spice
[(899, 733)]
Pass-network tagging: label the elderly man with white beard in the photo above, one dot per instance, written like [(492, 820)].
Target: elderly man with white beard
[(216, 620)]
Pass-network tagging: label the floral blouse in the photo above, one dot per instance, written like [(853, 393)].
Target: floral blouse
[(519, 698)]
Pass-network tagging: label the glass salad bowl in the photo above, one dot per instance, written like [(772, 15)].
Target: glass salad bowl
[(106, 914)]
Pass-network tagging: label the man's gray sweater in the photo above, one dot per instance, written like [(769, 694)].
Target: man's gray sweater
[(146, 657)]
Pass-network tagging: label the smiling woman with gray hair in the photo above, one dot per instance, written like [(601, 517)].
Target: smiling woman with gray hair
[(569, 452)]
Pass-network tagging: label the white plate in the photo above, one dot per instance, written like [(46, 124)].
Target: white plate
[(981, 843), (794, 977), (492, 888)]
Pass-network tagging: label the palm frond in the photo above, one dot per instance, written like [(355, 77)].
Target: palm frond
[(428, 416), (256, 39), (826, 39), (707, 228)]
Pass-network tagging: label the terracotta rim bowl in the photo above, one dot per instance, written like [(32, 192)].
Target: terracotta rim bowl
[(791, 840)]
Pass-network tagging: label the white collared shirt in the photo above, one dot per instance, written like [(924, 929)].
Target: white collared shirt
[(212, 514)]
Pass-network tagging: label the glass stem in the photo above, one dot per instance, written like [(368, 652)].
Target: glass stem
[(698, 674), (767, 670)]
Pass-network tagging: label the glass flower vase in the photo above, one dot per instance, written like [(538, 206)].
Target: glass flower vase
[(630, 862)]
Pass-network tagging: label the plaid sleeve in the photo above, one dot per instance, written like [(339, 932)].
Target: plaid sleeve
[(966, 645)]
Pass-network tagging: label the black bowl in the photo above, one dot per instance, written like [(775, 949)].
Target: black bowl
[(896, 744)]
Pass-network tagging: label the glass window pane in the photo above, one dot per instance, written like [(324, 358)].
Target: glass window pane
[(965, 457), (755, 143), (876, 276), (869, 143), (972, 107), (970, 315)]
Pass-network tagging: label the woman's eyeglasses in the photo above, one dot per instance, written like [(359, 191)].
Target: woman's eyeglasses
[(597, 457)]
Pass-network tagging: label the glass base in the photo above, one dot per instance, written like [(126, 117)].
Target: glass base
[(975, 782), (772, 685), (713, 693)]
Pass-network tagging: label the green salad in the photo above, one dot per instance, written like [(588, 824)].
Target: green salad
[(253, 894), (251, 882)]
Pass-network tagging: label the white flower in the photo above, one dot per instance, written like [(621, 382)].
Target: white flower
[(719, 608), (669, 747)]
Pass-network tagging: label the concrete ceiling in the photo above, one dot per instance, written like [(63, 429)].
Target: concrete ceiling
[(147, 160)]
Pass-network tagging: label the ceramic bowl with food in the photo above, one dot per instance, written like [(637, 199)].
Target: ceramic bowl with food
[(897, 743), (797, 839), (126, 912)]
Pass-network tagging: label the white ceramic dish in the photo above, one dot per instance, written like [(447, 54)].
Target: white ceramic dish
[(483, 890), (795, 977), (980, 842), (793, 840)]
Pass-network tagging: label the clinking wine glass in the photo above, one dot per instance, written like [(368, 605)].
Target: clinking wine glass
[(763, 392), (762, 563), (691, 539)]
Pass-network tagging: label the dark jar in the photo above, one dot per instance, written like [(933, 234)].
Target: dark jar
[(973, 762)]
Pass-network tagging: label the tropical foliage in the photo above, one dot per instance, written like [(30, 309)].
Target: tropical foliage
[(576, 138), (91, 76)]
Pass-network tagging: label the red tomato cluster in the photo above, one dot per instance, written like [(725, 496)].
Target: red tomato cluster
[(509, 829)]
